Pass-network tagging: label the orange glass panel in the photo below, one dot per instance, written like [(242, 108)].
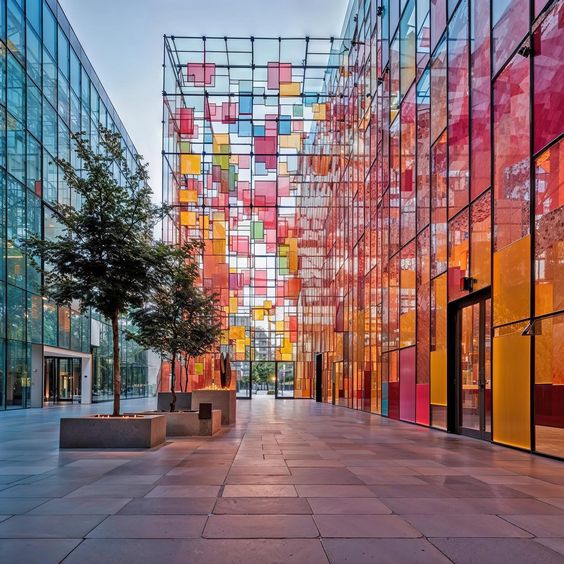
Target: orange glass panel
[(511, 386)]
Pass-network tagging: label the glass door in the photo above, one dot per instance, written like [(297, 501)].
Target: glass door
[(473, 367), (264, 378), (49, 380), (62, 379), (242, 373), (65, 378), (284, 379)]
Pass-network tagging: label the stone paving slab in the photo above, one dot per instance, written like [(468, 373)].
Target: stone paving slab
[(295, 482)]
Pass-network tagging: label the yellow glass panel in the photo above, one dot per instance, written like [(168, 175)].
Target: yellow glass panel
[(258, 314), (438, 377), (293, 255), (267, 304), (512, 282), (233, 307), (290, 89), (218, 229), (439, 354), (237, 332), (190, 164), (407, 329), (204, 221), (293, 141), (188, 218), (188, 196), (218, 247), (319, 111), (549, 382), (511, 386)]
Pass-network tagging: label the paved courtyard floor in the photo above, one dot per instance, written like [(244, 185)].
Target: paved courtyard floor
[(292, 482)]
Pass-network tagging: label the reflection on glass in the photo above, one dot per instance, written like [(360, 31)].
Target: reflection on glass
[(285, 383), (549, 385), (470, 367), (242, 373)]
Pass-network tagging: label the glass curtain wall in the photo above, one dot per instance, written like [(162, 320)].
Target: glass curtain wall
[(446, 119), (47, 90)]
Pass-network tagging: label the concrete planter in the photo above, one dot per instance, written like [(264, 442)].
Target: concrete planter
[(144, 431), (183, 401), (188, 424), (220, 399)]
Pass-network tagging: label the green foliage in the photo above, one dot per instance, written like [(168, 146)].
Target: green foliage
[(179, 317), (263, 372), (104, 256)]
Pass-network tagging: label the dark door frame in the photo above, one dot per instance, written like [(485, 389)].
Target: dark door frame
[(276, 363), (454, 398), (319, 377)]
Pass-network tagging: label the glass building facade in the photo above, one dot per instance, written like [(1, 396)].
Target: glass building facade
[(436, 295), (237, 114), (48, 89), (384, 212)]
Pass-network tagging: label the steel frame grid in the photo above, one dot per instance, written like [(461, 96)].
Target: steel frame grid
[(237, 116)]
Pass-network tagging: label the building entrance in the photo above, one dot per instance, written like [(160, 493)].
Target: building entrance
[(264, 378), (62, 381), (473, 379)]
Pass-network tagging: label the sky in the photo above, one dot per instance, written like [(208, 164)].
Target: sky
[(124, 41)]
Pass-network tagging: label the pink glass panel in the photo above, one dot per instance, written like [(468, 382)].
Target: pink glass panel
[(458, 130), (481, 97), (407, 384), (548, 86), (511, 153), (510, 20)]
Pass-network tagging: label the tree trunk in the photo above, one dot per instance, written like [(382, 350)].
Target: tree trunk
[(173, 382), (116, 361)]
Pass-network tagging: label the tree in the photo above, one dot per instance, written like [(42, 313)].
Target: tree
[(104, 256), (180, 318), (263, 372)]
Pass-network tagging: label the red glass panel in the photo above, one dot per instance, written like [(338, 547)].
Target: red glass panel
[(548, 86), (423, 146), (481, 241), (511, 153), (480, 84), (510, 20), (438, 91), (549, 236), (394, 186), (439, 206), (457, 254), (407, 179), (458, 130)]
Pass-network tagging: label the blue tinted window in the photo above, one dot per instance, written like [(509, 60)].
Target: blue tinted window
[(74, 72), (16, 83), (16, 29), (33, 56), (33, 13), (63, 46), (49, 31)]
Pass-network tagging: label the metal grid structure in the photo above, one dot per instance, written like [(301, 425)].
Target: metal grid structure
[(239, 116)]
